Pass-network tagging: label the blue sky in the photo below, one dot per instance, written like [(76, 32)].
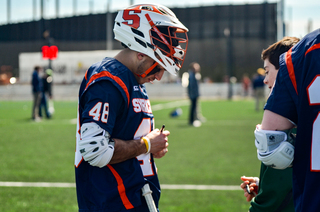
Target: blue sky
[(297, 12)]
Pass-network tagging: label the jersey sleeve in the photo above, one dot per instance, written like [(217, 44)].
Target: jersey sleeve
[(280, 100), (102, 103)]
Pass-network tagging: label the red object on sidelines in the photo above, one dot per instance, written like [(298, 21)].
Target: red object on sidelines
[(49, 52)]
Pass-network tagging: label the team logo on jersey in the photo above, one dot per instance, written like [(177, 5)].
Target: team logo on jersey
[(141, 105), (135, 88)]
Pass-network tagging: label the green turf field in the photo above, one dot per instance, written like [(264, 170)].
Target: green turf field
[(217, 153)]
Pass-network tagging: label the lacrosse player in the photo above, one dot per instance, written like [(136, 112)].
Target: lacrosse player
[(296, 97), (273, 191), (116, 139)]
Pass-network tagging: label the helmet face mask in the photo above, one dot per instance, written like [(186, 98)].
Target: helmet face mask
[(155, 31), (171, 46)]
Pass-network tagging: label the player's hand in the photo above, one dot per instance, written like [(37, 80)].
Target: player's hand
[(159, 142), (249, 184), (161, 153)]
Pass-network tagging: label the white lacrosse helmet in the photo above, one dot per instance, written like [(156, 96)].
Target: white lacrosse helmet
[(153, 30)]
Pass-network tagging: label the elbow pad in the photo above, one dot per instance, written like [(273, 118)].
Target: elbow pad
[(275, 148), (95, 145)]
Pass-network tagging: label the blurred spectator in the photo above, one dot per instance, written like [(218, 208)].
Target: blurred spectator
[(193, 93), (207, 80), (258, 88), (36, 91), (246, 83), (5, 74), (46, 93)]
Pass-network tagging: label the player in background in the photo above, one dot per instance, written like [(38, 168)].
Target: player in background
[(296, 97), (258, 88), (116, 139), (193, 93), (36, 92), (273, 191)]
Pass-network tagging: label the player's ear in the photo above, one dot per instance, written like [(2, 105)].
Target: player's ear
[(140, 56)]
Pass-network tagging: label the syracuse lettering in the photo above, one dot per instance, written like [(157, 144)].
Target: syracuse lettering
[(141, 105)]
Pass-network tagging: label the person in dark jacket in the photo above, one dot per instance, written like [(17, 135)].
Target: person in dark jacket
[(258, 88), (46, 93), (193, 93), (36, 92)]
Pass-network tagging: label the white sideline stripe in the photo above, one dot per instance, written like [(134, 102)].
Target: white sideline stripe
[(201, 187), (170, 105), (39, 184), (163, 186)]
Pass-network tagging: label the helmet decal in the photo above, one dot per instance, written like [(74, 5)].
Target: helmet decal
[(155, 31), (131, 18)]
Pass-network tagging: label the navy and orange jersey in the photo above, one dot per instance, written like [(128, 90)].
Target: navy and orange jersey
[(111, 97), (296, 96)]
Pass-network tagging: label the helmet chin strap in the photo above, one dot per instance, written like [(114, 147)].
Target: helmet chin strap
[(147, 71)]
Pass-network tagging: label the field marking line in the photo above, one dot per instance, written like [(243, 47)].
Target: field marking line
[(201, 187), (36, 184), (163, 186), (170, 105)]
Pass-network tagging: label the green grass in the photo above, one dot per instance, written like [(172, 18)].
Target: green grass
[(217, 153)]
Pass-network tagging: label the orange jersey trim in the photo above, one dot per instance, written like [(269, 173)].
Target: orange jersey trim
[(85, 76), (115, 78), (290, 67), (316, 46), (121, 189)]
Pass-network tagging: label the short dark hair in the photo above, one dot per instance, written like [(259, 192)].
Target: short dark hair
[(274, 51)]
